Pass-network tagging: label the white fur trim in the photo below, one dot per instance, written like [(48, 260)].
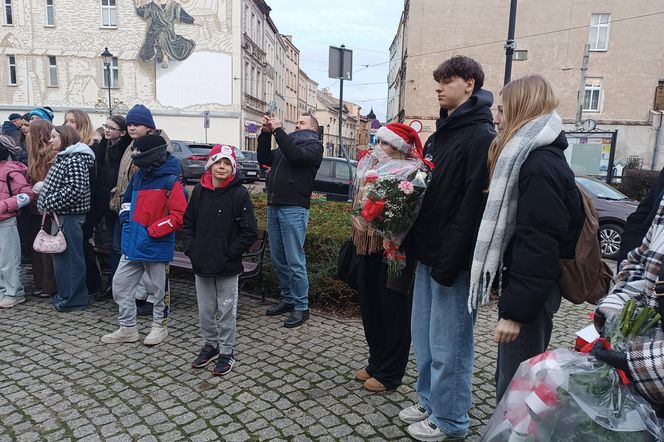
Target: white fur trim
[(393, 140)]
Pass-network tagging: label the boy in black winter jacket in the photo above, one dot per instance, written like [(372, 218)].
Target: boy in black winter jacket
[(220, 225)]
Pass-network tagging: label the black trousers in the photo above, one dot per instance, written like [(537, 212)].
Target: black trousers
[(386, 320), (92, 272), (533, 339)]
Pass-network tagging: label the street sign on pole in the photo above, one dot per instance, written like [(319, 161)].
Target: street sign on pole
[(341, 68), (206, 123)]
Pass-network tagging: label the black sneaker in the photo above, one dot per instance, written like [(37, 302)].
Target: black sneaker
[(207, 355), (144, 308), (224, 365)]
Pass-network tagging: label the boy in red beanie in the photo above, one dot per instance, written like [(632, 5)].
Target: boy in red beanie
[(220, 226)]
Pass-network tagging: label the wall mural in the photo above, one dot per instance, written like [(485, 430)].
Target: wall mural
[(161, 41)]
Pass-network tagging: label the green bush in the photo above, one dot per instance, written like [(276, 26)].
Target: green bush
[(637, 182), (328, 228)]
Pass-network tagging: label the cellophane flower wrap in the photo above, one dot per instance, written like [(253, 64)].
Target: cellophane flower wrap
[(388, 196), (565, 395)]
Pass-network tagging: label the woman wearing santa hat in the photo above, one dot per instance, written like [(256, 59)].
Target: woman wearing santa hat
[(385, 302)]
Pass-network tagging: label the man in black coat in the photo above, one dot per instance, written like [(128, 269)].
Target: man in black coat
[(442, 240), (639, 222), (293, 167)]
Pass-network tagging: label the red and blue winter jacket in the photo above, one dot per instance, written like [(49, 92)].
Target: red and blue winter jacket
[(152, 211)]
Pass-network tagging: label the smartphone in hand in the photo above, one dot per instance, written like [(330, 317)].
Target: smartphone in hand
[(270, 109)]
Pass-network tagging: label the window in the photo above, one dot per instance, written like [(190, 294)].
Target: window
[(109, 14), (11, 62), (52, 71), (592, 99), (50, 14), (9, 17), (115, 74), (599, 32)]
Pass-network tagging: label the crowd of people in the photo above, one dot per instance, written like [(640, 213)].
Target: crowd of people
[(500, 211)]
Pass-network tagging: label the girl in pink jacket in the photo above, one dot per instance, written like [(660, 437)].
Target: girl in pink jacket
[(15, 193)]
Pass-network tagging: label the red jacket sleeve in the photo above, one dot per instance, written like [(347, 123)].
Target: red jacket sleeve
[(172, 222)]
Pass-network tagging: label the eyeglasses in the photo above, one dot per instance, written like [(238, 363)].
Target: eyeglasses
[(107, 127)]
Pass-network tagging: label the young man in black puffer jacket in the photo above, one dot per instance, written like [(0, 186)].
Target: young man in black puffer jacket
[(289, 183)]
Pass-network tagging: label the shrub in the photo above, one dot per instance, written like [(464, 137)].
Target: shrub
[(637, 182), (328, 228)]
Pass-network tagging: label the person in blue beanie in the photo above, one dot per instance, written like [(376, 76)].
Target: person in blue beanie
[(42, 113)]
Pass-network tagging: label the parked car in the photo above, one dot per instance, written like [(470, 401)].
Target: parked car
[(193, 156), (333, 179), (613, 209), (262, 171)]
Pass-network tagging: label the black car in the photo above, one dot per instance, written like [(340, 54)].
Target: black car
[(333, 179), (193, 156), (613, 209), (262, 171)]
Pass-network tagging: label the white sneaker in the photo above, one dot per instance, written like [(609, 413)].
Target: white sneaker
[(123, 334), (427, 430), (412, 414), (157, 334), (10, 301)]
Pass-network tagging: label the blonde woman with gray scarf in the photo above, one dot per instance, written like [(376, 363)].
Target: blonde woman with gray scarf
[(532, 219)]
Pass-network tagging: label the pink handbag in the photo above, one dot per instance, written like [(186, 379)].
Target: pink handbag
[(47, 243)]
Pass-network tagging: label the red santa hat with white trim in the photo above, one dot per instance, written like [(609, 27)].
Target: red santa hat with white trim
[(402, 137), (220, 151)]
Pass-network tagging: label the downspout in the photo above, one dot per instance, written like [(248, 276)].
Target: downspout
[(658, 136)]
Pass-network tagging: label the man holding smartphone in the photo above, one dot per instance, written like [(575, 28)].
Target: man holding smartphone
[(293, 166)]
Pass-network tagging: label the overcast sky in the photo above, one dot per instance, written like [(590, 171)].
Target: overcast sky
[(365, 26)]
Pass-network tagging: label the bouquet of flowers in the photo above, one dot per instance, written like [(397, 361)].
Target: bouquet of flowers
[(571, 396), (389, 194)]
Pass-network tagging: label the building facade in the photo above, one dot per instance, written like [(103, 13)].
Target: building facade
[(292, 69), (327, 114), (306, 95), (51, 56), (624, 66)]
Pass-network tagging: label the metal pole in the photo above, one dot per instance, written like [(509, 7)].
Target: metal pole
[(342, 148), (108, 83), (612, 157), (582, 87), (510, 44)]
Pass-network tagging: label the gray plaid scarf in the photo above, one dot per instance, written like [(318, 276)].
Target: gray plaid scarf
[(499, 218)]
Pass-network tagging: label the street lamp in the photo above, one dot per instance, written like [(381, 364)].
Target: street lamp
[(108, 59)]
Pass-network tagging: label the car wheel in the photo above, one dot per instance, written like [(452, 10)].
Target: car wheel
[(610, 236)]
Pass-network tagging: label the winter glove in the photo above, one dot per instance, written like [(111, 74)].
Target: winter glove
[(616, 359), (23, 200), (37, 188)]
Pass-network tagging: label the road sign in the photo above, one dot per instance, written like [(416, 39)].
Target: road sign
[(335, 65), (206, 119)]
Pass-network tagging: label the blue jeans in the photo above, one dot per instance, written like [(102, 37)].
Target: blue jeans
[(287, 228), (442, 331), (69, 266)]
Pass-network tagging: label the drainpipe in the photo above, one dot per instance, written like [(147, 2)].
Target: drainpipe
[(658, 136)]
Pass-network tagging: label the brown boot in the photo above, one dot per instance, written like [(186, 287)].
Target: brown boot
[(362, 375), (374, 385)]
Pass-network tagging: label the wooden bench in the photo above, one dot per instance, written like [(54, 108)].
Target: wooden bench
[(252, 261)]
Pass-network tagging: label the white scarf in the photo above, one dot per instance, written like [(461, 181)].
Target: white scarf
[(499, 217)]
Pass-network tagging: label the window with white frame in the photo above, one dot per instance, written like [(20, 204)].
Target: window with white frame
[(592, 99), (9, 16), (49, 13), (11, 65), (52, 71), (599, 32), (109, 14), (115, 74)]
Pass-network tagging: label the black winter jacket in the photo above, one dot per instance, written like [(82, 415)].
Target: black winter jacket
[(219, 226), (549, 218), (444, 234), (293, 167), (639, 222)]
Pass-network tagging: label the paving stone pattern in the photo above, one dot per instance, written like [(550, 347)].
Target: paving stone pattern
[(58, 382)]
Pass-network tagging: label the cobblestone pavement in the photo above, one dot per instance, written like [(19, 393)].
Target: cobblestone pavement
[(58, 382)]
